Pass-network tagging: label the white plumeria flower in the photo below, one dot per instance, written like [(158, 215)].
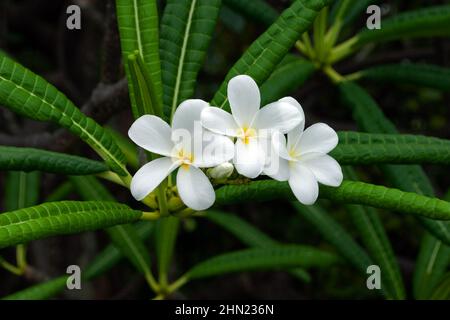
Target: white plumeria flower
[(185, 146), (250, 124), (303, 159)]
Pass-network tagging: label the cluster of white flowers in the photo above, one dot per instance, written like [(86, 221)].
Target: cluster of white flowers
[(253, 139)]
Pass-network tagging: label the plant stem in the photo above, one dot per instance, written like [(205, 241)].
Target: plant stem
[(177, 284), (9, 267), (152, 282), (308, 46), (151, 216), (343, 50), (334, 76), (115, 178), (21, 257)]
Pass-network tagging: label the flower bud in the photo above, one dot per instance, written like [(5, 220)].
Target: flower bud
[(222, 171)]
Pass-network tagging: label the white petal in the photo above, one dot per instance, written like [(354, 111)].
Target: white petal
[(326, 170), (194, 188), (279, 145), (150, 176), (187, 114), (219, 121), (295, 134), (152, 134), (295, 103), (186, 125), (303, 184), (279, 116), (245, 99), (216, 149), (317, 138), (277, 168), (249, 158)]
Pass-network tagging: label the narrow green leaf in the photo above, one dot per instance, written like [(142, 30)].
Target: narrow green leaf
[(22, 190), (144, 92), (101, 264), (28, 94), (376, 241), (425, 22), (431, 264), (348, 11), (42, 291), (29, 159), (166, 236), (425, 75), (250, 236), (57, 218), (138, 28), (124, 236), (279, 257), (289, 75), (335, 234), (348, 192), (61, 192), (433, 254), (186, 30), (128, 148), (442, 292), (262, 57), (258, 10), (369, 148)]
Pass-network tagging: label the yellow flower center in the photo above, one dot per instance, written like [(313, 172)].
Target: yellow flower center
[(246, 133), (186, 158)]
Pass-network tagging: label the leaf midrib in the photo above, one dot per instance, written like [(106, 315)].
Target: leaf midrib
[(138, 28), (91, 137), (182, 57)]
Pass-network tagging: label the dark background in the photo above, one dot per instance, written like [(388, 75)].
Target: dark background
[(82, 63)]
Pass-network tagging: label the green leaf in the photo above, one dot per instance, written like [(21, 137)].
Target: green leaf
[(279, 257), (263, 56), (348, 192), (124, 236), (22, 189), (442, 292), (42, 291), (61, 192), (166, 237), (128, 148), (57, 218), (101, 264), (138, 28), (258, 10), (425, 22), (241, 229), (29, 95), (289, 75), (425, 75), (335, 234), (433, 254), (369, 148), (186, 30), (377, 243), (28, 159), (249, 235), (370, 117), (144, 92), (431, 264), (348, 10)]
